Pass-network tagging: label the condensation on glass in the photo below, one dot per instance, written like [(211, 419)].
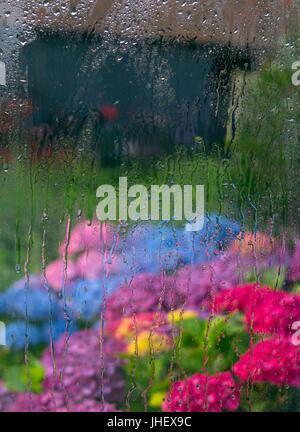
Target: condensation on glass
[(149, 315)]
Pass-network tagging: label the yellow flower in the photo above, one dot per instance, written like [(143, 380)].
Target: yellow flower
[(127, 327), (156, 399), (178, 315), (157, 342)]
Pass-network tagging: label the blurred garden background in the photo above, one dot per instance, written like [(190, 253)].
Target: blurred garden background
[(148, 316)]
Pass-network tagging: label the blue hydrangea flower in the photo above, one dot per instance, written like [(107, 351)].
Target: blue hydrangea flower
[(15, 334), (13, 301), (86, 296), (57, 329), (166, 247)]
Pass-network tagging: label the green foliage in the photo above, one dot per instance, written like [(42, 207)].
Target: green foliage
[(15, 377), (269, 277), (263, 165), (264, 397), (212, 345)]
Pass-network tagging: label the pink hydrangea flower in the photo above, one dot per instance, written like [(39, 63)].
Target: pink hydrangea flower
[(275, 361), (55, 273), (91, 264), (86, 235), (203, 393)]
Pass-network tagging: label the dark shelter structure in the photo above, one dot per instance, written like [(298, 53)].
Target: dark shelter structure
[(141, 101), (140, 78)]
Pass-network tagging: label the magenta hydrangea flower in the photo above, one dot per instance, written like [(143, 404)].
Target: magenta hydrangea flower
[(275, 313), (275, 361), (238, 298), (203, 393), (267, 311)]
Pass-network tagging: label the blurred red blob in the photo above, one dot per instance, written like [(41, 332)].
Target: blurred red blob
[(12, 112), (109, 112)]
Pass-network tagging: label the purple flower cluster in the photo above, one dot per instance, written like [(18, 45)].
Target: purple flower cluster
[(294, 271), (7, 398), (193, 287), (79, 376)]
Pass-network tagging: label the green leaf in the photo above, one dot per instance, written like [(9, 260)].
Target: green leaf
[(12, 378), (36, 375)]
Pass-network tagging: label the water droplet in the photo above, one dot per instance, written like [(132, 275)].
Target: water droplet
[(73, 10)]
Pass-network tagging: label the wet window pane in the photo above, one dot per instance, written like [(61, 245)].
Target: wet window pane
[(149, 218)]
